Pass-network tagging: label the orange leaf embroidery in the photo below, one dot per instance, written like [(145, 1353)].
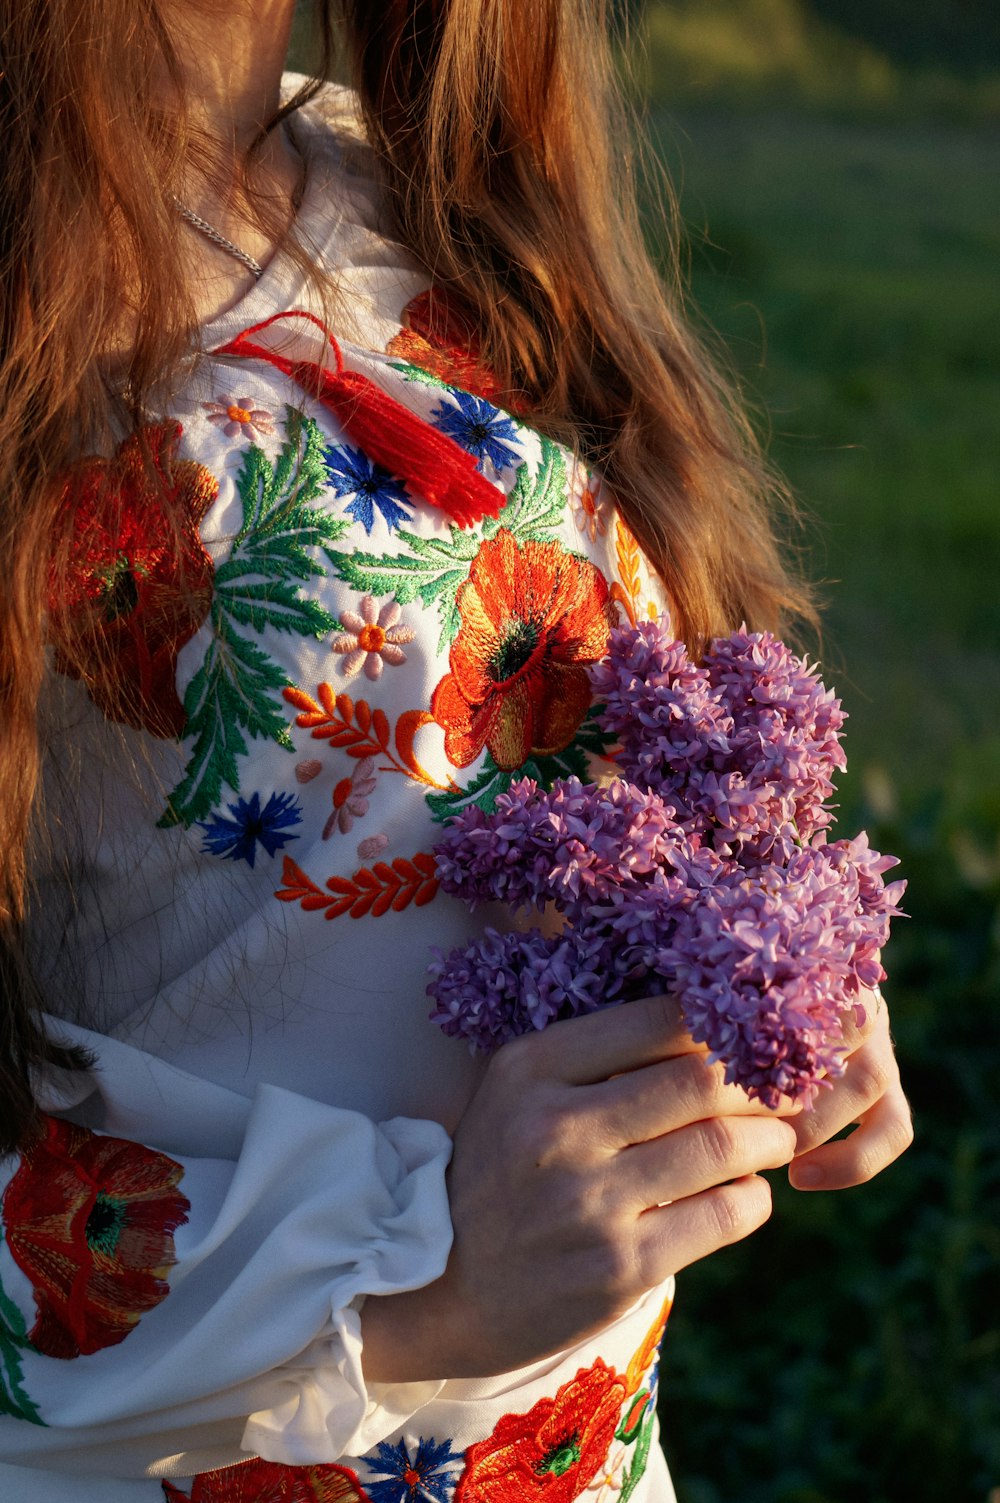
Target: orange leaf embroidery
[(375, 890), (363, 732), (629, 565)]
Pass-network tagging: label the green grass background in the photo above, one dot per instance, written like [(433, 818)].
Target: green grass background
[(852, 1349), (840, 194)]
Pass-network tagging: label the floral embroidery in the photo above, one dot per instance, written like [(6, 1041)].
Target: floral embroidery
[(240, 418), (350, 798), (427, 1477), (373, 890), (269, 1482), (235, 693), (533, 617), (438, 336), (554, 1451), (361, 731), (90, 1220), (372, 638), (589, 509), (307, 769), (139, 583), (430, 570), (480, 428), (249, 825), (371, 847), (607, 1485), (13, 1341), (629, 567), (646, 1355), (352, 474)]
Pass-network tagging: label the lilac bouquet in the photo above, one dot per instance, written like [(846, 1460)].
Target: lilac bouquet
[(705, 869)]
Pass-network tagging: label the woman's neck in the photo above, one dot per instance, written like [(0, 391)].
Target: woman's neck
[(232, 61)]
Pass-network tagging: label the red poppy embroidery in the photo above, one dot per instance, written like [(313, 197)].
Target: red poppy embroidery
[(90, 1220), (138, 583), (552, 1452), (268, 1482), (438, 336), (532, 618)]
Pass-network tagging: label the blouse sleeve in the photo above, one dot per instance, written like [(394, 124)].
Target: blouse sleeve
[(186, 1281)]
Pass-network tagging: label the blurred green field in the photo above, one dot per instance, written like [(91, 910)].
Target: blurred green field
[(852, 1349)]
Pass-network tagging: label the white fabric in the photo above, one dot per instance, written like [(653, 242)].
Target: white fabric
[(284, 1060)]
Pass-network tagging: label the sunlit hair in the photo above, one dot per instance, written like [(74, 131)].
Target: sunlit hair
[(507, 167)]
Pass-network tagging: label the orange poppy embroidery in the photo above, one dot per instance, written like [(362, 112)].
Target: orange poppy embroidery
[(438, 337), (532, 618), (268, 1482), (552, 1452), (139, 582), (353, 726), (90, 1220), (376, 890)]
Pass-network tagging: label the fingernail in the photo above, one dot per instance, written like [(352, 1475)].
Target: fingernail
[(809, 1176)]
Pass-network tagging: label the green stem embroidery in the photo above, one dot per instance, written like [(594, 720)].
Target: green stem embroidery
[(13, 1340), (236, 692)]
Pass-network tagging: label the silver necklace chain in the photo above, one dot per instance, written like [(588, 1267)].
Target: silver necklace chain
[(218, 238)]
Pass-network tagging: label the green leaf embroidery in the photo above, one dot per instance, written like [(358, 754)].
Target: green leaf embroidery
[(236, 692), (536, 503), (419, 375), (13, 1340), (636, 1471), (484, 789)]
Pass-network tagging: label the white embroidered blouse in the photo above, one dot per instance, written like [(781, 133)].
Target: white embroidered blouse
[(235, 907)]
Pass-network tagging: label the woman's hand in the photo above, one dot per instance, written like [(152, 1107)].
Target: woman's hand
[(868, 1093), (596, 1158)]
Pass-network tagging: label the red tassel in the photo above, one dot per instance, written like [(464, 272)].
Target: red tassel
[(431, 464)]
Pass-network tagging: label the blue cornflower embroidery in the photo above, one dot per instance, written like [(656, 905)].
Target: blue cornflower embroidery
[(479, 427), (428, 1477), (237, 838), (351, 473)]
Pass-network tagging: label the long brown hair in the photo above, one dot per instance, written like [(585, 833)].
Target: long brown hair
[(506, 165)]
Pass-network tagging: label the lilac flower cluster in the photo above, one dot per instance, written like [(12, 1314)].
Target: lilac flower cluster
[(705, 869)]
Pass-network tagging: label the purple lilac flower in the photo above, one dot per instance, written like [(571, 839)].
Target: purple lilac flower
[(575, 843), (705, 870)]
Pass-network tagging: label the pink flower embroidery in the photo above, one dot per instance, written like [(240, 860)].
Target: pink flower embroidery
[(372, 638), (350, 798), (370, 849), (589, 510), (239, 418), (307, 770)]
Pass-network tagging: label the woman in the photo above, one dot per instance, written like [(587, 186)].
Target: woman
[(275, 605)]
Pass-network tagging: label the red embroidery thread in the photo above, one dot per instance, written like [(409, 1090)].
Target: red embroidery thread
[(431, 463), (374, 890)]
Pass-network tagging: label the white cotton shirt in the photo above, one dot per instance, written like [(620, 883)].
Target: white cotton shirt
[(254, 1024)]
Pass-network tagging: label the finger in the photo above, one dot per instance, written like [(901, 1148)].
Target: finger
[(885, 1131), (646, 1103), (860, 1022), (698, 1157), (580, 1051), (869, 1072), (668, 1238)]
